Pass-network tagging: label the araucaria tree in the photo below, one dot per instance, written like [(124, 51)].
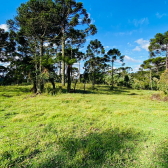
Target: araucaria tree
[(147, 65), (38, 20), (94, 50), (72, 13), (7, 49), (47, 22), (114, 55), (7, 45), (159, 46)]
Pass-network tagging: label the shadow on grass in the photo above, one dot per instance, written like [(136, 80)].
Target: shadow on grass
[(79, 91), (161, 155), (99, 89), (102, 90), (7, 96), (105, 90), (132, 94), (16, 89), (114, 148)]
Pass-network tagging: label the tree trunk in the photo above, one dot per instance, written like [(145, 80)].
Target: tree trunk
[(53, 84), (151, 79), (84, 86), (63, 61), (36, 75), (75, 85), (112, 76), (93, 77), (79, 73), (60, 68), (34, 89), (41, 83), (166, 58), (69, 78), (60, 71)]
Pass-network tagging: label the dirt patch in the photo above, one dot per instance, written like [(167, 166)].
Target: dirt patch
[(159, 97)]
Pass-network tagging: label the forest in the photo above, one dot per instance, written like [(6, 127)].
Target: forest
[(66, 105)]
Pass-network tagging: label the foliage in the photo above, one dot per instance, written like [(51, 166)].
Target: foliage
[(72, 14), (37, 31), (112, 56), (163, 82), (94, 63), (159, 46)]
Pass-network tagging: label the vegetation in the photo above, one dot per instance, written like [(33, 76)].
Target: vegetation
[(68, 130), (43, 46), (163, 83), (159, 45), (113, 117)]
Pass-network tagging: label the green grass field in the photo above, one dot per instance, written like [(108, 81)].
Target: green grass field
[(101, 128)]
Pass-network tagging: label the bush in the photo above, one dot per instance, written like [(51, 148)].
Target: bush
[(163, 82)]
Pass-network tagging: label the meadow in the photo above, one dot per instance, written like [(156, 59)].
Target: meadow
[(100, 128)]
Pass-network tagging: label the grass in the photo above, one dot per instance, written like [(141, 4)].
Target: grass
[(101, 128)]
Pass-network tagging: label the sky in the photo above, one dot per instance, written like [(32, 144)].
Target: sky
[(127, 25)]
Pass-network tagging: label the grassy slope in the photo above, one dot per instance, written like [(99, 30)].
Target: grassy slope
[(120, 128)]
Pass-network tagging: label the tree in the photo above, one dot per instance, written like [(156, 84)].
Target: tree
[(147, 65), (3, 43), (115, 54), (72, 14), (94, 49), (7, 45), (7, 49), (72, 56), (159, 46), (38, 20), (159, 63), (76, 38), (124, 72)]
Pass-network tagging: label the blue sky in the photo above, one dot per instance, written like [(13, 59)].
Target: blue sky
[(126, 25)]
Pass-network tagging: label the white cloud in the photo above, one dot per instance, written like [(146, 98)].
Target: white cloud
[(139, 22), (129, 59), (123, 33), (88, 39), (92, 20), (136, 68), (144, 44), (137, 48), (129, 44), (158, 15), (4, 26)]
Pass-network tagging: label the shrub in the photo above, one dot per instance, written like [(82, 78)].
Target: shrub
[(163, 82)]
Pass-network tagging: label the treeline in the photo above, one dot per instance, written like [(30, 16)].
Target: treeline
[(44, 42)]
